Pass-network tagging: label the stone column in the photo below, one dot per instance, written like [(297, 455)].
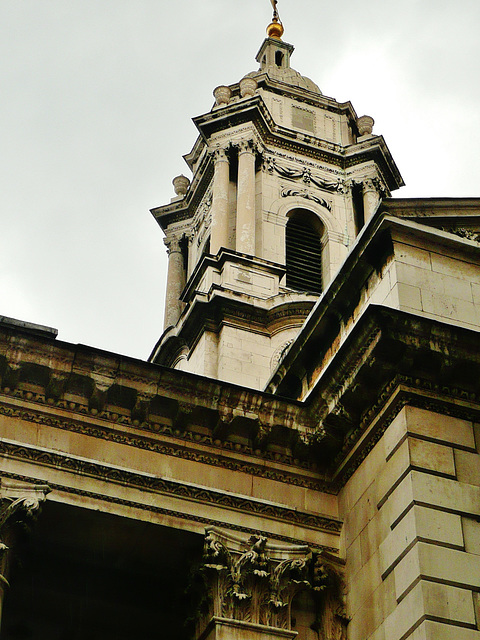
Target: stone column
[(19, 506), (245, 239), (221, 181), (175, 282), (371, 198)]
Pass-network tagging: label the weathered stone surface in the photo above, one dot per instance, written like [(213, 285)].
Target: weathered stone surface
[(344, 500)]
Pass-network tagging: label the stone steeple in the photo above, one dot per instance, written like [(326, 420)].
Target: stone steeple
[(283, 179)]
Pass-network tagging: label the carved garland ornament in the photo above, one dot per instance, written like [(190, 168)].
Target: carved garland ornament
[(305, 175), (303, 193)]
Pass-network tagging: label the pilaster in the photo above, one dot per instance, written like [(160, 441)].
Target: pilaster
[(412, 532)]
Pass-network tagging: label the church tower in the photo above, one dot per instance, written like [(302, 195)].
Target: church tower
[(284, 178)]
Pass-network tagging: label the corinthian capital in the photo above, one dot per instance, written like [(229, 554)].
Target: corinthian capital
[(220, 154), (370, 184), (20, 502), (249, 578), (245, 146), (19, 506), (173, 244)]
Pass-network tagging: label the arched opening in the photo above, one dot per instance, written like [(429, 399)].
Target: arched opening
[(278, 58), (303, 249)]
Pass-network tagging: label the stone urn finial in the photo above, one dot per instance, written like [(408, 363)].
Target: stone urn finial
[(222, 95), (180, 185), (365, 125), (248, 86)]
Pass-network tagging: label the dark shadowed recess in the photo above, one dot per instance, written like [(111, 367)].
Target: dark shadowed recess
[(88, 574)]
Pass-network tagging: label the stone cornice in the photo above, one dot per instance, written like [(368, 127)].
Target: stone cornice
[(300, 94), (184, 209), (400, 392), (432, 207), (389, 358), (162, 511), (219, 261), (255, 110), (224, 306), (375, 148), (171, 440), (152, 483)]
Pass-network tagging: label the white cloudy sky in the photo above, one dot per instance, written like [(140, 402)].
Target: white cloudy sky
[(95, 108)]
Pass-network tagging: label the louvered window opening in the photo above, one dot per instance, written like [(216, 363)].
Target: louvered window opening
[(303, 257)]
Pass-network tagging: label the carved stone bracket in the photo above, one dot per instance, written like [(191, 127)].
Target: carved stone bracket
[(254, 581)]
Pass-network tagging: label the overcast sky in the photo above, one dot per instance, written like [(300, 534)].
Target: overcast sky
[(96, 103)]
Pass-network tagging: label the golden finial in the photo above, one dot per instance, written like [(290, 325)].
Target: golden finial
[(275, 28)]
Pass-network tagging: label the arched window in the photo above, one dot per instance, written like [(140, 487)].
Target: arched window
[(303, 240)]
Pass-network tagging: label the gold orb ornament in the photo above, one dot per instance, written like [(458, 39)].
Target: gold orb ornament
[(275, 30)]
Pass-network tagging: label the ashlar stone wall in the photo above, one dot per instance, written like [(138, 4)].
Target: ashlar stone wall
[(412, 532), (438, 280)]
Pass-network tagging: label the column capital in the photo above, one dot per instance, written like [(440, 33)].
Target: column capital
[(220, 154), (370, 184), (249, 578), (245, 146), (20, 501), (20, 504), (374, 183), (173, 244)]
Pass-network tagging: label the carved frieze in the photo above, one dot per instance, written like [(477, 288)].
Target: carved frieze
[(98, 498), (292, 159), (197, 493)]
